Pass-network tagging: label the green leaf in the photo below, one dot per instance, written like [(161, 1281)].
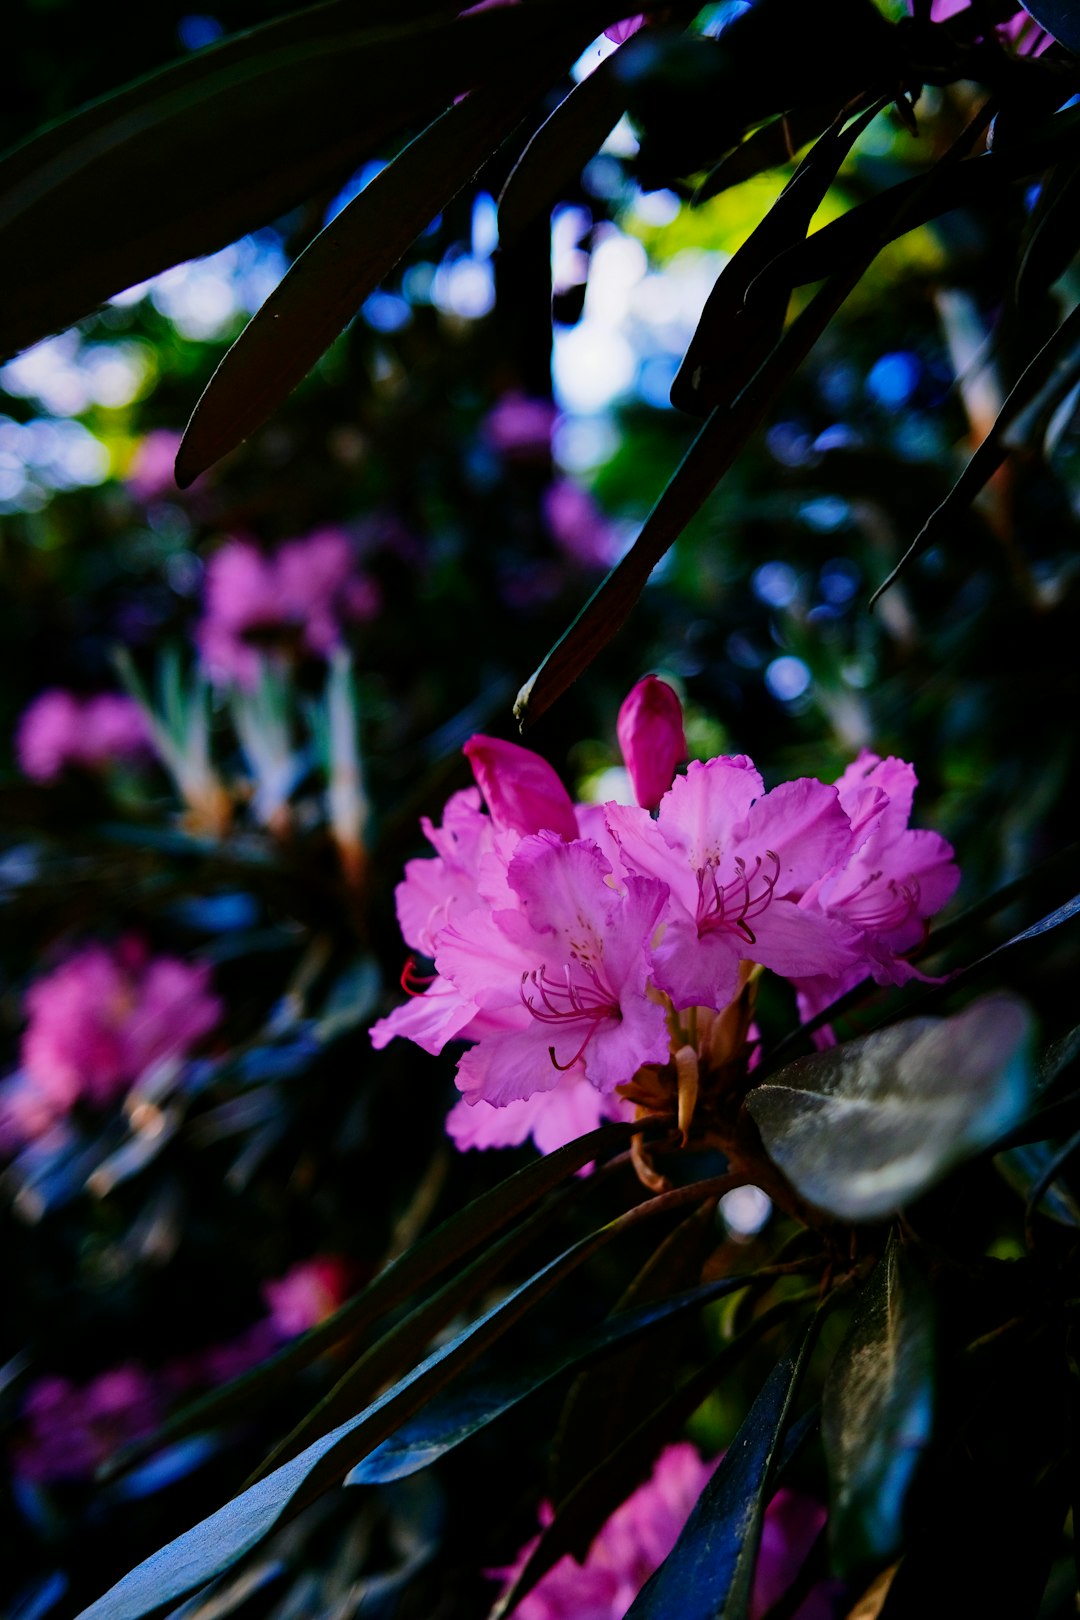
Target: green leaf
[(457, 1417), (974, 182), (769, 147), (326, 285), (190, 158), (594, 1414), (561, 147), (1058, 17), (877, 1411), (730, 339), (1026, 1169), (863, 1128), (581, 1515), (709, 1572), (1054, 237), (1043, 376), (456, 1237), (214, 1545)]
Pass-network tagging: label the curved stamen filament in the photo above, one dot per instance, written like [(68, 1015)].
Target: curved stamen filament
[(570, 1002), (413, 983), (883, 907), (732, 904)]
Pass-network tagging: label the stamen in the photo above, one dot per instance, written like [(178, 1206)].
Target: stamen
[(410, 979), (730, 905), (570, 1002)]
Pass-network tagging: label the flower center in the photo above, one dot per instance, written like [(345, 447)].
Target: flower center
[(733, 904), (570, 1001), (882, 906)]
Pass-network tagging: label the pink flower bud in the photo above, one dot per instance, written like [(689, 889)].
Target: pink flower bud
[(651, 736), (521, 789)]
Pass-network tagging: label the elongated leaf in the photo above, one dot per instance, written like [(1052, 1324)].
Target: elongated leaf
[(456, 1237), (913, 202), (325, 287), (1036, 377), (863, 1128), (594, 1414), (455, 1419), (396, 1350), (1055, 234), (214, 1545), (1059, 18), (192, 157), (560, 149), (877, 1411), (709, 1572), (730, 339), (722, 436), (771, 146), (1031, 1170), (579, 1518)]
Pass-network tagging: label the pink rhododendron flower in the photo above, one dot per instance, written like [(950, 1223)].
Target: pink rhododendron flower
[(638, 1536), (568, 939), (100, 1021), (308, 1293), (520, 426), (737, 860), (68, 1430), (295, 599), (652, 738), (895, 878), (59, 729)]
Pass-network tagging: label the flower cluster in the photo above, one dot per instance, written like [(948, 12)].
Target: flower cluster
[(638, 1536), (603, 957), (96, 1025), (294, 601), (59, 730)]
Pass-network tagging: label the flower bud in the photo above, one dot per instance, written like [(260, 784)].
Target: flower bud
[(651, 736), (521, 789)]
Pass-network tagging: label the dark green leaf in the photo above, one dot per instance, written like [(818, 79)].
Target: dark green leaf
[(560, 149), (767, 148), (731, 339), (214, 1545), (709, 1572), (913, 202), (1025, 1168), (326, 285), (1042, 375), (863, 1128), (1055, 234), (456, 1237), (1058, 17), (594, 1415), (877, 1411), (580, 1517), (192, 157), (454, 1419)]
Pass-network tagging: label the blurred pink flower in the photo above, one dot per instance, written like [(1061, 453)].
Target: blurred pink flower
[(68, 1430), (59, 729), (578, 526), (638, 1536), (307, 1294), (102, 1019), (520, 426), (294, 600), (150, 475)]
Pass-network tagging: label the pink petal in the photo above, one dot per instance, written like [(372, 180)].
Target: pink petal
[(652, 739), (521, 789)]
